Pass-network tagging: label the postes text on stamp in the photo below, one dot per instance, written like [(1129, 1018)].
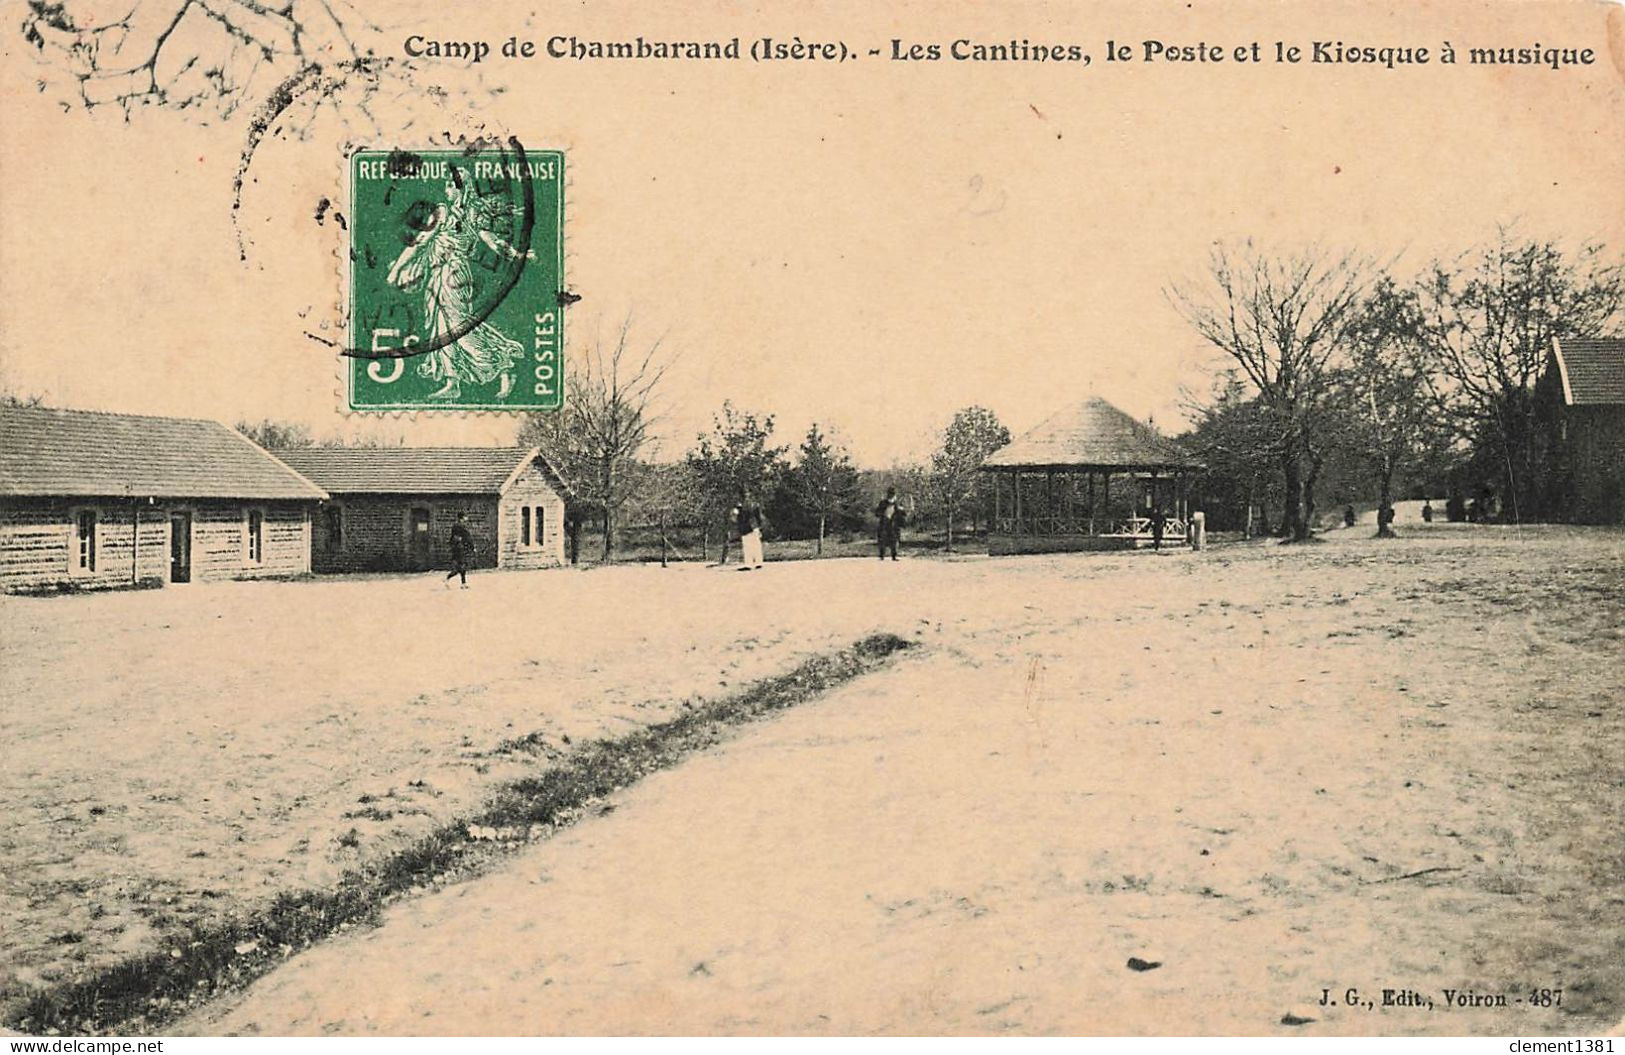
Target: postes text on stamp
[(456, 273)]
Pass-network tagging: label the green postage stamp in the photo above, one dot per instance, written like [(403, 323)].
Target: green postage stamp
[(456, 279)]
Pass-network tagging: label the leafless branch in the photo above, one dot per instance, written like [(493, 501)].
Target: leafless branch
[(185, 54)]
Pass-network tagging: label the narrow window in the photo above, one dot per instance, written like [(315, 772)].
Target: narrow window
[(539, 521), (524, 526), (86, 557), (335, 527), (256, 536)]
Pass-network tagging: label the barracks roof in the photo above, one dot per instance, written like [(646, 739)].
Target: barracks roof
[(46, 452), (1092, 433), (1592, 370), (415, 470)]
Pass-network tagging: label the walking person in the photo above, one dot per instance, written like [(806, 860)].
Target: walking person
[(889, 523), (462, 548), (748, 518)]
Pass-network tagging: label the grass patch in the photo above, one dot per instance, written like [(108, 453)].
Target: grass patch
[(142, 994)]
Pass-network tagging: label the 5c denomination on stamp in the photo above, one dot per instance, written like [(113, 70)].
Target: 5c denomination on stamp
[(456, 279)]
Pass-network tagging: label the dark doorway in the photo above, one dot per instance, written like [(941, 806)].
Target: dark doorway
[(419, 540), (180, 547)]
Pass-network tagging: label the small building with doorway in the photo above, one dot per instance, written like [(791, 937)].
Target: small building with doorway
[(97, 500), (1089, 477), (1581, 400), (392, 508)]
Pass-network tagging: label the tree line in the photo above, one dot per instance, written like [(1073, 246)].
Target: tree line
[(1338, 369), (602, 441), (604, 438), (1339, 378), (808, 490)]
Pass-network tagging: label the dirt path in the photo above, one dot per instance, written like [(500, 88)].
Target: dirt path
[(1272, 772), (175, 756)]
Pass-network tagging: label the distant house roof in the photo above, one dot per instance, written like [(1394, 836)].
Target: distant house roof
[(1592, 370), (415, 470), (1091, 434), (46, 452)]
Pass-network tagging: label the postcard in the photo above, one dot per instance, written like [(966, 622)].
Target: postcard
[(823, 519)]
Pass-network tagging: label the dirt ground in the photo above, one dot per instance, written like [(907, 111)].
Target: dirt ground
[(1272, 771)]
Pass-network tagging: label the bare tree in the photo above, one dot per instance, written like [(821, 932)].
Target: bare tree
[(282, 68), (1490, 319), (1381, 394), (1280, 317), (607, 420), (277, 435), (196, 54), (13, 396), (286, 435)]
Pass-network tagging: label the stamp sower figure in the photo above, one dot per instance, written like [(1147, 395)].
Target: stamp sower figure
[(748, 518), (462, 548), (440, 258), (889, 523)]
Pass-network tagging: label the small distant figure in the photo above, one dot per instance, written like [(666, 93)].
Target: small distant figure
[(889, 523), (1385, 522), (1427, 511), (748, 518), (462, 547), (1159, 521), (1348, 516), (1455, 508)]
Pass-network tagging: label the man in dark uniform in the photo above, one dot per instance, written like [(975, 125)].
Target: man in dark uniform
[(1159, 521), (462, 548), (890, 523)]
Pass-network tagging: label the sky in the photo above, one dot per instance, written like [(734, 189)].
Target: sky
[(869, 246)]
